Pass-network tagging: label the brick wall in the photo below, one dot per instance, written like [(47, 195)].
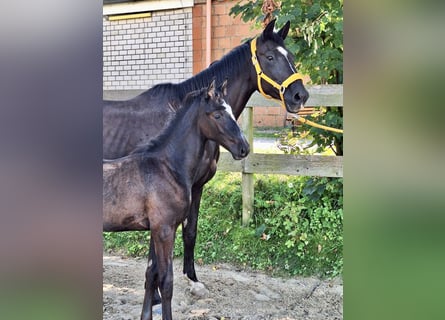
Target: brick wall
[(227, 31), (139, 53)]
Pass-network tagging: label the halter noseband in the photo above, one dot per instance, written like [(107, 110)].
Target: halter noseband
[(261, 76)]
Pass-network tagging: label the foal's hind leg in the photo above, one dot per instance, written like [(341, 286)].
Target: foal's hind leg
[(151, 296)]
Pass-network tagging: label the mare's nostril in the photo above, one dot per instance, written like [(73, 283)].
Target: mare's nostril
[(297, 97)]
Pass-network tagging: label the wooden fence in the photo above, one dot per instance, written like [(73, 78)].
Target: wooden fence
[(302, 165)]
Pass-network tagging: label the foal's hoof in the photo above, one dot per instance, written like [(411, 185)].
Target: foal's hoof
[(198, 289), (156, 298)]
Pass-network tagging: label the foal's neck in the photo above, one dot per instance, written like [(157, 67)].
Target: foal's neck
[(185, 143)]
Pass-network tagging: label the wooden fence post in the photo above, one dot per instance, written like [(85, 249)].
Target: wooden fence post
[(247, 178)]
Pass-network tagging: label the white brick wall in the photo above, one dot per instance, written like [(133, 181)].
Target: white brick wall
[(139, 53)]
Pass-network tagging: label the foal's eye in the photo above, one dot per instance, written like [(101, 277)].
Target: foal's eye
[(217, 115), (270, 58)]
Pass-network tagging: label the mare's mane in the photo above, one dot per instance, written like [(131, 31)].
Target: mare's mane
[(233, 63)]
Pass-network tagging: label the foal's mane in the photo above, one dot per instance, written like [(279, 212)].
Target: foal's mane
[(182, 117)]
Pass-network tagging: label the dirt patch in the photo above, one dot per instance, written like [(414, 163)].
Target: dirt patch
[(229, 294)]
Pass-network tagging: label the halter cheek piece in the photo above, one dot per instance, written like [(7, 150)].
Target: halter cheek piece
[(261, 76)]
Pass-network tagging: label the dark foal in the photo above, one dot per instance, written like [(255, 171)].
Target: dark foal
[(151, 188)]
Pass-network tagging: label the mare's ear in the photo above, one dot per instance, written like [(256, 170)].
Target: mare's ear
[(284, 31), (211, 89), (268, 31), (224, 88)]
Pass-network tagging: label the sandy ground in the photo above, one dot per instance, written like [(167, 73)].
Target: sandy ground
[(229, 294)]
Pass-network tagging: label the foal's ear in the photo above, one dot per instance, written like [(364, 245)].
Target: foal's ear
[(284, 31), (268, 31), (224, 88), (211, 89)]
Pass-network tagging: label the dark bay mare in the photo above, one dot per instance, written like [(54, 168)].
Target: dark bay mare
[(152, 187), (262, 64)]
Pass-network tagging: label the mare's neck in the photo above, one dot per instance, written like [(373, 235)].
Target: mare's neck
[(236, 66)]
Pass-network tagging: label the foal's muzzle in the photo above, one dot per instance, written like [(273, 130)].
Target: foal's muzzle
[(243, 150)]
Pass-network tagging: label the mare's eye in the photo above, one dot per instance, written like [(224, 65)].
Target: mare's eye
[(270, 58)]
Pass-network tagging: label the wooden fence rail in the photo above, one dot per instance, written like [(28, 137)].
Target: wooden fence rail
[(289, 164), (303, 165)]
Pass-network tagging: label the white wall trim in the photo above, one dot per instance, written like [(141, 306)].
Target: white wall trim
[(143, 6)]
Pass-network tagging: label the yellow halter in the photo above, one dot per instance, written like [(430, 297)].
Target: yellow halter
[(261, 76)]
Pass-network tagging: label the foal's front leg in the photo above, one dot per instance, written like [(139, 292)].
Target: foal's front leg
[(150, 271), (164, 239), (151, 296), (190, 225)]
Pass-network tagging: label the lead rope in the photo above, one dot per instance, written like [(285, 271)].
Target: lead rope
[(313, 124)]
